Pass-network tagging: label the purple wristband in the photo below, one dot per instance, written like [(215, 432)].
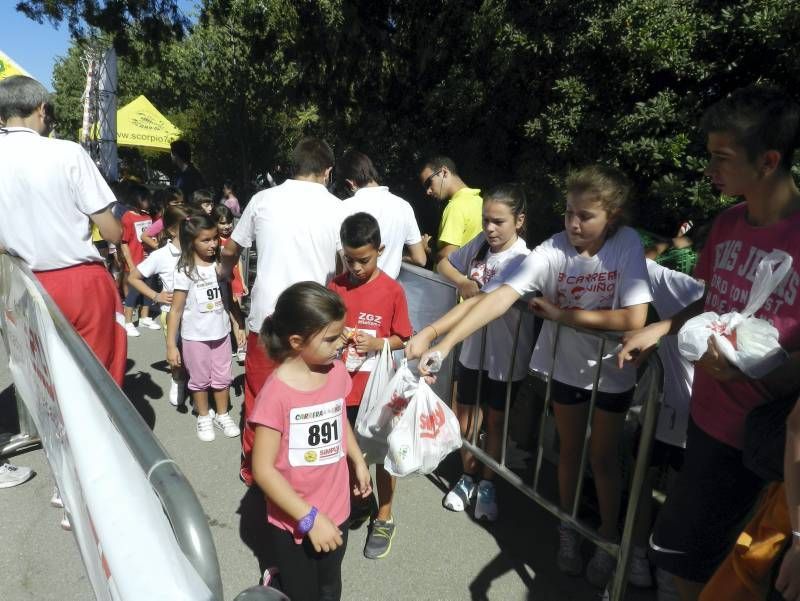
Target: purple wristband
[(305, 524)]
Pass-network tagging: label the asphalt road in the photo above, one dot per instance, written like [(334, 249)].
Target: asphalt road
[(436, 554)]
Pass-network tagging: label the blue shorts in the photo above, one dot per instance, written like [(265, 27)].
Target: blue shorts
[(613, 402), (493, 392)]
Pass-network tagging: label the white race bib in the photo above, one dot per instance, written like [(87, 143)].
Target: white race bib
[(140, 227), (208, 296), (316, 434)]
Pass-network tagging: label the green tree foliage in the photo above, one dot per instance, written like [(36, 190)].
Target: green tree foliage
[(157, 20), (511, 89)]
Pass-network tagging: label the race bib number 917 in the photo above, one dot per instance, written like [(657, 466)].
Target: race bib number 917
[(315, 434)]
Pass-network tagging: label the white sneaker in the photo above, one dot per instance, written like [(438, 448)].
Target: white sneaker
[(13, 475), (205, 428), (458, 497), (224, 422), (639, 574), (148, 322), (569, 550), (486, 501), (241, 355), (600, 568), (55, 500), (131, 330), (175, 392)]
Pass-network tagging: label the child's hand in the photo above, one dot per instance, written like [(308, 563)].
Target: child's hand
[(714, 363), (173, 357), (163, 298), (365, 343), (468, 288), (325, 535), (362, 484), (420, 342), (545, 309)]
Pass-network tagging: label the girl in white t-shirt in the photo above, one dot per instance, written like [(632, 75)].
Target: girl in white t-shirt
[(197, 305), (497, 250), (162, 262), (591, 275)]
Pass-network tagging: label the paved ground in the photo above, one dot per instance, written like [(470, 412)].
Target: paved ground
[(436, 555)]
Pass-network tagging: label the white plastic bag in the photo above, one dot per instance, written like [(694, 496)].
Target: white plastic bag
[(385, 398), (749, 343), (427, 432)]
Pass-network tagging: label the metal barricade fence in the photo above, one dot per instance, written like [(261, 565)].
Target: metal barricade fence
[(648, 387), (183, 511)]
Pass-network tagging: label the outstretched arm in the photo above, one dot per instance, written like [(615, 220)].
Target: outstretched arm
[(487, 309)]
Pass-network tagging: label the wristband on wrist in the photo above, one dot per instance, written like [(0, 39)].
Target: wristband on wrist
[(434, 330), (306, 523)]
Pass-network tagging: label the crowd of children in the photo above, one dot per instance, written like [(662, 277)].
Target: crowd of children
[(322, 340)]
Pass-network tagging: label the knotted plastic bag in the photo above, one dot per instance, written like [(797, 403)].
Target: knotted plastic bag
[(427, 432), (748, 342), (385, 398)]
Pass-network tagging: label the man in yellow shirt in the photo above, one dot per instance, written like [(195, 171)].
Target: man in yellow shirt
[(462, 217)]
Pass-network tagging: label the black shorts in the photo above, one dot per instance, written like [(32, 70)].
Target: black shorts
[(705, 510), (613, 402), (352, 413), (493, 392)]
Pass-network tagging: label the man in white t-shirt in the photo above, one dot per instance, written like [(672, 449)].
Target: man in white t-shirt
[(295, 227), (50, 194), (394, 215)]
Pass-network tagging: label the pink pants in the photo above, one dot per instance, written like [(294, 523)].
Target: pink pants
[(208, 363)]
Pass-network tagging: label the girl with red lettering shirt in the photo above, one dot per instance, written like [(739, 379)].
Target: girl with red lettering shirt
[(591, 275), (303, 442), (134, 223)]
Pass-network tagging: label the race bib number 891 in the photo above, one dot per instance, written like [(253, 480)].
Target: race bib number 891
[(315, 434)]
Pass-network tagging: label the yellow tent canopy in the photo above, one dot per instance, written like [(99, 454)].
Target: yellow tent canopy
[(139, 123), (9, 67)]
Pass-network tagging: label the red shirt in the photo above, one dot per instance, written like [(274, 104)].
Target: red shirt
[(727, 264), (378, 307), (133, 225), (313, 451)]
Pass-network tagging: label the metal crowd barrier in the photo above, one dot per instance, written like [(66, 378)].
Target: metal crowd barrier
[(180, 504), (648, 388)]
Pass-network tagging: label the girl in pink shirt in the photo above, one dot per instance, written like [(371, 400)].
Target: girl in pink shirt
[(302, 442)]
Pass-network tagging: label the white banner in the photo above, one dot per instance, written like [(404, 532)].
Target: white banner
[(123, 535)]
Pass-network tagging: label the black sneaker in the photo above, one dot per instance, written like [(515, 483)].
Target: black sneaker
[(379, 541), (361, 511)]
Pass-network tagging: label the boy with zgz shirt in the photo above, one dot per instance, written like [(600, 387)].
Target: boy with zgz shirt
[(376, 310)]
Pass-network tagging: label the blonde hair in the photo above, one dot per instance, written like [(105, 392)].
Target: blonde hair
[(608, 185)]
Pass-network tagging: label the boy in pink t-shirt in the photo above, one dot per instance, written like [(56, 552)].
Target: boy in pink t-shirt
[(751, 137)]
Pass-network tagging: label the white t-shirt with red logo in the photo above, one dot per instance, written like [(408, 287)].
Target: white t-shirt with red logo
[(204, 316), (500, 333), (728, 264), (162, 262), (614, 278)]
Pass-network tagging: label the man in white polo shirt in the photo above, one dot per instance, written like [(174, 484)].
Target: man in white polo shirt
[(296, 229), (50, 194), (394, 215)]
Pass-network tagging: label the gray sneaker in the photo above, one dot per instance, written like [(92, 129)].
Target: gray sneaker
[(12, 475), (379, 541), (569, 550)]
